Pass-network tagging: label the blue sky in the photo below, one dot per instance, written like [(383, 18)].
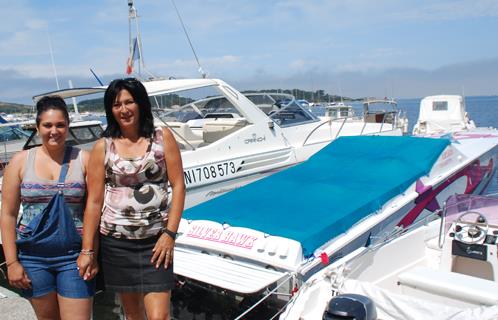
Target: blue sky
[(397, 48)]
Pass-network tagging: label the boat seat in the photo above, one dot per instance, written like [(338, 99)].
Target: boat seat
[(451, 284), (221, 127), (183, 130)]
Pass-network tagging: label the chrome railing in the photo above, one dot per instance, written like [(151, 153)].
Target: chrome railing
[(343, 121)]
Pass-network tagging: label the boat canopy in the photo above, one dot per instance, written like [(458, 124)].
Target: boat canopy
[(153, 87), (443, 113), (323, 197)]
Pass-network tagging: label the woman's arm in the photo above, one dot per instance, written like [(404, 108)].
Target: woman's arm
[(11, 199), (174, 168), (163, 251), (95, 198)]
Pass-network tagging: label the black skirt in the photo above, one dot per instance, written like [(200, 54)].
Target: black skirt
[(127, 268)]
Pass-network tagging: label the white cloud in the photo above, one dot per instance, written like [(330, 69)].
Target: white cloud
[(450, 10)]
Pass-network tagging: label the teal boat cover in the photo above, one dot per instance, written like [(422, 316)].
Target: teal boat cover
[(323, 197)]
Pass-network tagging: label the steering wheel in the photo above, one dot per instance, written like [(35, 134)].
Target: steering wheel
[(471, 232)]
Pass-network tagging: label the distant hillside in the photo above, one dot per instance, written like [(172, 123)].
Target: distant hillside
[(311, 96), (98, 104), (91, 105), (8, 107)]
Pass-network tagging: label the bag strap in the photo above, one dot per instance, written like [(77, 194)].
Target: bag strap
[(64, 167)]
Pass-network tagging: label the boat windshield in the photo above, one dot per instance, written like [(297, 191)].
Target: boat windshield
[(380, 111), (457, 205), (291, 114), (197, 103), (269, 101), (282, 108), (12, 133), (198, 116), (84, 133)]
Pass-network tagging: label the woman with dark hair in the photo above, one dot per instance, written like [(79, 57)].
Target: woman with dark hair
[(41, 253), (132, 167)]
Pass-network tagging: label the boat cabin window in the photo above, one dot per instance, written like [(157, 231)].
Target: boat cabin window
[(335, 112), (440, 106), (198, 116)]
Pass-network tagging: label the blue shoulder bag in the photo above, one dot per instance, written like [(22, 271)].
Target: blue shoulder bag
[(52, 233)]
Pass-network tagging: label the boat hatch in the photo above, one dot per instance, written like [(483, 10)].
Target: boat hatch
[(224, 273)]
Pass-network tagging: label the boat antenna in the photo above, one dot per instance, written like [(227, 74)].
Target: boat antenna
[(77, 115), (96, 77), (201, 71), (135, 44), (53, 61)]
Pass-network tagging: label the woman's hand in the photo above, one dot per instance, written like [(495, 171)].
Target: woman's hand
[(87, 266), (163, 251), (18, 277)]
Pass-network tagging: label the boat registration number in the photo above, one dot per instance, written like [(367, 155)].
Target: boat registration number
[(210, 172)]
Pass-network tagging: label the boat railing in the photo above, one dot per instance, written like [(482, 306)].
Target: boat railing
[(329, 121), (386, 114), (267, 295), (343, 120)]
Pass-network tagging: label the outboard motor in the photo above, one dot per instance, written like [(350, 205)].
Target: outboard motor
[(350, 307)]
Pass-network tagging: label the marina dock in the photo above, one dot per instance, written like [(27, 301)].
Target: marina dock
[(14, 307)]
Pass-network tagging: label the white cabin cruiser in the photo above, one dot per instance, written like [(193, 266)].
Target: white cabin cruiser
[(442, 114), (384, 111), (279, 231), (378, 115), (226, 140), (446, 269)]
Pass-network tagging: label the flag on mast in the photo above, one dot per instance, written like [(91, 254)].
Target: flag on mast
[(134, 55)]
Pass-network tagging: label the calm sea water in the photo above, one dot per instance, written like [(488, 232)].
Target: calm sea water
[(195, 303)]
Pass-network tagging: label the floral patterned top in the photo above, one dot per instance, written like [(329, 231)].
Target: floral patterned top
[(136, 192)]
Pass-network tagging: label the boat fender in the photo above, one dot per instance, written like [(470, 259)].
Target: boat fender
[(324, 258), (350, 307)]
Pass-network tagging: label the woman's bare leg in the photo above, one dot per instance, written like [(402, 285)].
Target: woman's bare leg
[(77, 309), (46, 307), (133, 305), (157, 305)]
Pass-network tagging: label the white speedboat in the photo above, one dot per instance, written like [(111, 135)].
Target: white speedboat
[(228, 141), (446, 269), (277, 232), (442, 114)]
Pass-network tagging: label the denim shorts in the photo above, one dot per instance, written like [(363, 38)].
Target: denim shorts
[(59, 274)]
